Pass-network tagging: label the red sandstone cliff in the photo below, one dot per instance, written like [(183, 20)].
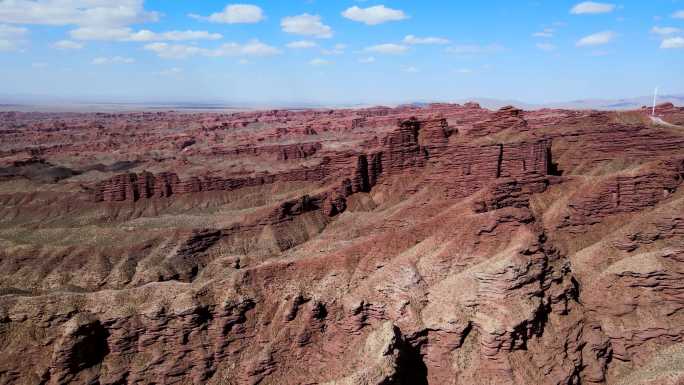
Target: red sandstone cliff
[(435, 245)]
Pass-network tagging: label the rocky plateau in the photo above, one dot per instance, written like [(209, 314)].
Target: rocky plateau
[(437, 244)]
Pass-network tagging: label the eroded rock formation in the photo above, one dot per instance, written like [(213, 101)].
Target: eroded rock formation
[(443, 244)]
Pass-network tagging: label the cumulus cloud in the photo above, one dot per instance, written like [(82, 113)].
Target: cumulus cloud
[(664, 30), (112, 60), (374, 15), (235, 14), (67, 45), (599, 38), (319, 62), (106, 20), (338, 49), (546, 47), (413, 40), (100, 13), (672, 42), (11, 37), (181, 51), (144, 35), (389, 48), (301, 44), (590, 7), (546, 32), (475, 49), (12, 31), (176, 51), (252, 48), (305, 24)]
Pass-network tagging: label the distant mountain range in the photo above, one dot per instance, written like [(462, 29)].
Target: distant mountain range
[(43, 103), (583, 104)]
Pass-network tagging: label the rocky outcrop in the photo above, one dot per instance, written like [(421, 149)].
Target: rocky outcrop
[(132, 187), (463, 170), (422, 244), (510, 192), (626, 193), (82, 345), (401, 149), (668, 228), (284, 152), (435, 132), (506, 118)]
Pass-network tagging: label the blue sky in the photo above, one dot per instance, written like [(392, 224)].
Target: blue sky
[(351, 51)]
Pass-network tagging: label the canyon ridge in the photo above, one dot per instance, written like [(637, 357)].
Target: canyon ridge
[(435, 244)]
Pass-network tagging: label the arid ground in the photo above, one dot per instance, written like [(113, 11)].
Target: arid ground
[(438, 244)]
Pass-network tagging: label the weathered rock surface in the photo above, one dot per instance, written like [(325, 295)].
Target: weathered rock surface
[(443, 244)]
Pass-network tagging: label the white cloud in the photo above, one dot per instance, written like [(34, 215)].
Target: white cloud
[(590, 7), (145, 35), (319, 62), (672, 42), (388, 48), (171, 71), (176, 51), (39, 65), (11, 37), (112, 60), (367, 60), (301, 44), (678, 14), (410, 69), (338, 49), (235, 14), (127, 34), (463, 71), (374, 15), (100, 13), (67, 45), (252, 48), (599, 38), (305, 24), (664, 30), (546, 47), (94, 19), (413, 40), (546, 32), (11, 31), (180, 51), (96, 33), (474, 49)]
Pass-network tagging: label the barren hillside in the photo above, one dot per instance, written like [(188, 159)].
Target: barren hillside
[(445, 244)]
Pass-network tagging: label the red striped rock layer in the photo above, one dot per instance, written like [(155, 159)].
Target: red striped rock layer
[(603, 145), (132, 187), (506, 118), (413, 145), (280, 152), (623, 194)]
